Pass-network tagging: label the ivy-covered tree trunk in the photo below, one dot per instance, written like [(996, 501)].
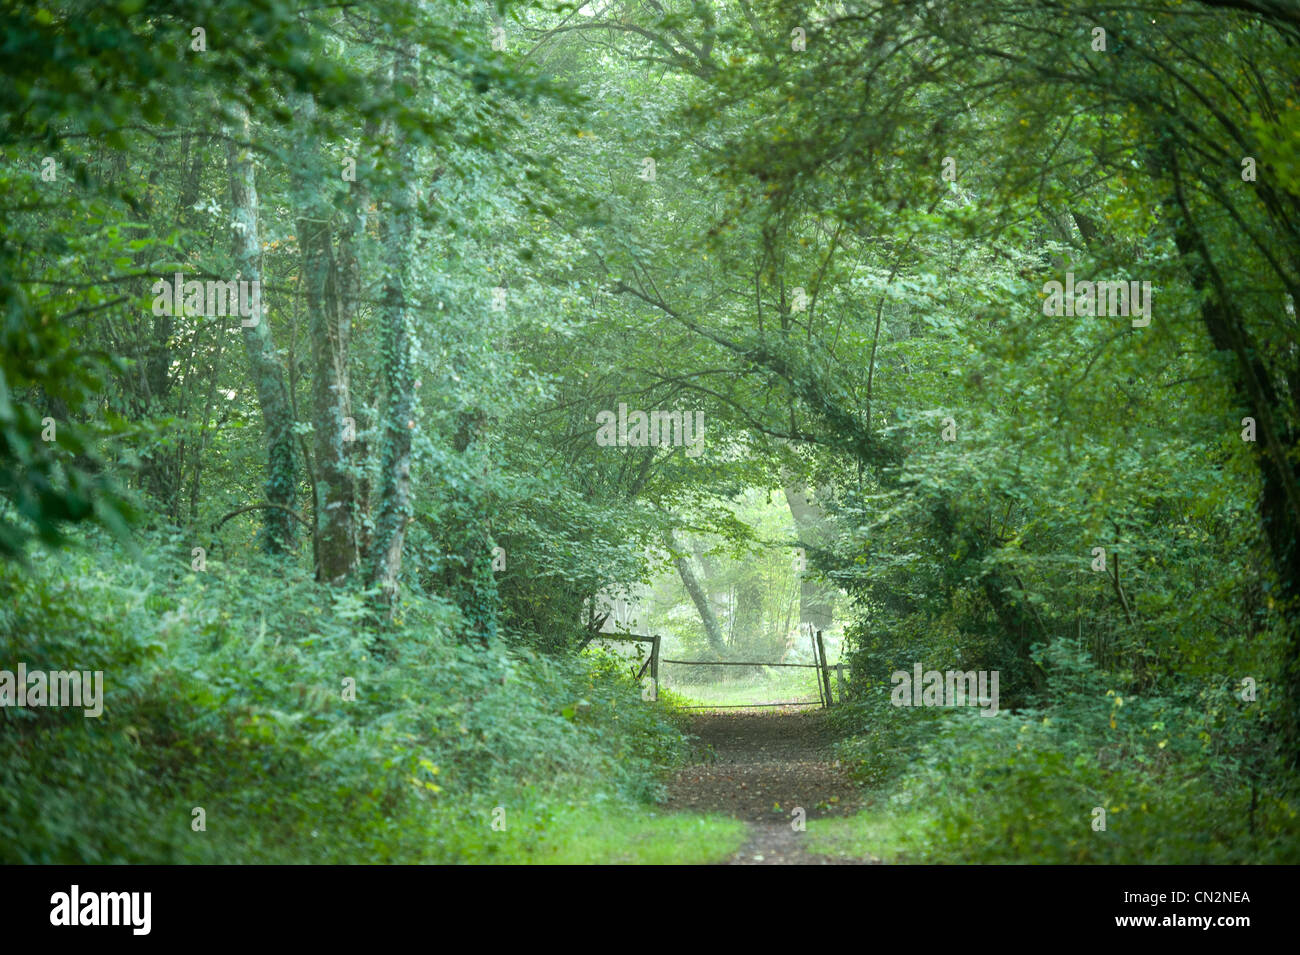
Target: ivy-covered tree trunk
[(474, 585), (1260, 388), (264, 365), (397, 416), (356, 447), (329, 326)]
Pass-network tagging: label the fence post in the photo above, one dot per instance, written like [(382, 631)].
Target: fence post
[(654, 664), (821, 689), (839, 679), (824, 671)]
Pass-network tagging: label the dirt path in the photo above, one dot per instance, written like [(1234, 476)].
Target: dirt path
[(759, 766)]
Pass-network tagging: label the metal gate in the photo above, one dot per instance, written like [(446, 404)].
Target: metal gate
[(825, 697), (648, 671)]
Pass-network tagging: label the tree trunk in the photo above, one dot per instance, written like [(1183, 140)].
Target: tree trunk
[(264, 365), (397, 418), (682, 561), (1257, 388), (329, 326)]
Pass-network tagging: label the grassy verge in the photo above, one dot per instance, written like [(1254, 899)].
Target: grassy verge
[(593, 832), (878, 833)]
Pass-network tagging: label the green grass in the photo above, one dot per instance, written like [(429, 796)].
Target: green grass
[(594, 834), (776, 685), (883, 833)]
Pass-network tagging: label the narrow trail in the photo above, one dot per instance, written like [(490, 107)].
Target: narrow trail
[(759, 766)]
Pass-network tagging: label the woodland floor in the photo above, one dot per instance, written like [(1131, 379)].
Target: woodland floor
[(758, 766)]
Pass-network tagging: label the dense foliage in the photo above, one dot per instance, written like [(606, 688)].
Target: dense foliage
[(828, 232)]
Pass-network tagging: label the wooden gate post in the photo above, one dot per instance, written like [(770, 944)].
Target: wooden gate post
[(824, 672), (654, 664), (821, 687)]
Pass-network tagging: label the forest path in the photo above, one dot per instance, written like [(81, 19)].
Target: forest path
[(759, 766)]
